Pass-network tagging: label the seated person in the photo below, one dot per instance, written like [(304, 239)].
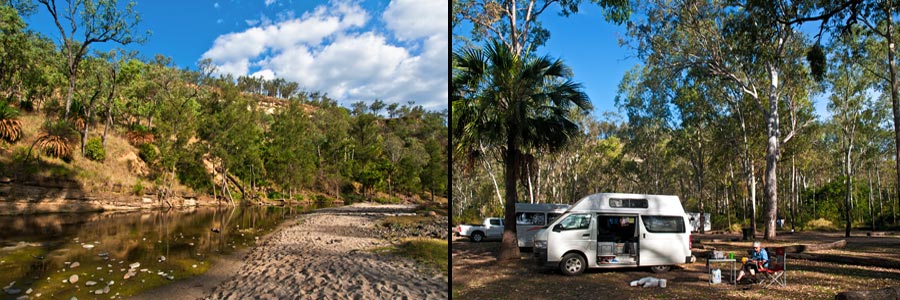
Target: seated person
[(758, 257)]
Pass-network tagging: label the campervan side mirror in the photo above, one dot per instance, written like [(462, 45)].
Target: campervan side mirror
[(557, 228)]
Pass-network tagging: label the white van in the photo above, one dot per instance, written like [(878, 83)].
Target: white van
[(532, 217), (611, 230)]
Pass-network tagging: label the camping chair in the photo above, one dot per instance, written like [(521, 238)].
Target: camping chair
[(775, 272)]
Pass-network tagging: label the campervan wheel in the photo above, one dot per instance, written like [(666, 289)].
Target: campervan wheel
[(572, 264)]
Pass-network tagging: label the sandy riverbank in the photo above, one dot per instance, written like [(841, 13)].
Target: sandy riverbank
[(317, 256)]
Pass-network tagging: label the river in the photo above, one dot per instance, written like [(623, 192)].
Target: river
[(117, 254)]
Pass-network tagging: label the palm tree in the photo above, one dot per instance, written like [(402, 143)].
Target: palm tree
[(10, 125), (517, 104)]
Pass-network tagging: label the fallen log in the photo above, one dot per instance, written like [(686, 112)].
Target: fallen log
[(840, 259), (885, 293), (814, 247)]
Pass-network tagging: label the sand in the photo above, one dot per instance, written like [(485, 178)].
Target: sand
[(322, 255)]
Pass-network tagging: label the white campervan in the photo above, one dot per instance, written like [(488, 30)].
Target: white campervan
[(531, 217), (610, 230)]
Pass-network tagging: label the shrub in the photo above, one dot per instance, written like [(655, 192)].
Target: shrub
[(94, 150), (20, 154), (736, 227), (138, 189), (820, 224), (192, 173), (148, 153), (387, 200)]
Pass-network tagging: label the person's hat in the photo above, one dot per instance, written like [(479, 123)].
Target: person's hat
[(755, 244)]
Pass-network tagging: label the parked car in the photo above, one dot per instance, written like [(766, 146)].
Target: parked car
[(492, 228)]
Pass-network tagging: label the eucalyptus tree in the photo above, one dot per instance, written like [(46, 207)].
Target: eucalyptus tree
[(515, 22), (839, 17), (740, 43), (179, 115), (229, 128), (97, 21), (90, 95), (645, 95), (851, 103), (289, 157), (520, 103)]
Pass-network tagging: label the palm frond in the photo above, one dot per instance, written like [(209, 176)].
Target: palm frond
[(10, 126), (57, 138)]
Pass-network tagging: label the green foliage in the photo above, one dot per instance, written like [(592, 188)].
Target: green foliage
[(94, 150), (148, 153), (818, 63), (138, 189), (20, 154), (431, 252), (387, 200), (192, 173)]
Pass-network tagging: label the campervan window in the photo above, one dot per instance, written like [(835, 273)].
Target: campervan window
[(576, 221), (628, 203), (661, 224), (552, 217), (529, 218)]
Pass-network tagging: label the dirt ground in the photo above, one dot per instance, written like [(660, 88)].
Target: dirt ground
[(874, 263)]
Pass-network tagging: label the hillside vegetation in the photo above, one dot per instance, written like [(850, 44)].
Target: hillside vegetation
[(138, 126)]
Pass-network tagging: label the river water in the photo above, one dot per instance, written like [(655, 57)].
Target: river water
[(117, 254)]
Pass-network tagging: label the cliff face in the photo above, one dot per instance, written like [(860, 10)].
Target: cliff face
[(48, 197)]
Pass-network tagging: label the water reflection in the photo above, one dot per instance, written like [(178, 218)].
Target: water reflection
[(40, 254)]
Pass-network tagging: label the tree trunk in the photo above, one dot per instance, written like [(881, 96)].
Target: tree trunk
[(490, 170), (895, 103), (106, 126), (772, 152), (72, 72), (796, 197), (871, 200), (509, 245)]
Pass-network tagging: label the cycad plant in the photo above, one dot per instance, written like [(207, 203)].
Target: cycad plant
[(10, 125), (56, 139)]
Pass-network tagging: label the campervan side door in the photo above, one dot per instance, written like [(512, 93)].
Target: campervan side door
[(663, 240)]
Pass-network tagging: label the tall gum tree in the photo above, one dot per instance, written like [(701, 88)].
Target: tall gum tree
[(97, 21), (742, 45)]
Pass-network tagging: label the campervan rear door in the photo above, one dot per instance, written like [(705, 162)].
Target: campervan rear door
[(663, 240)]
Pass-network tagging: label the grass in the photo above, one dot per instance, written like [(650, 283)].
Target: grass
[(405, 221), (430, 252), (115, 174)]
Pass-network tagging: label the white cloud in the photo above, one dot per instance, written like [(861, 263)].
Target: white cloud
[(270, 2), (216, 5), (328, 50), (412, 19), (266, 74)]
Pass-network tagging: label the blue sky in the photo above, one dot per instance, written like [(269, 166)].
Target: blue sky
[(393, 50), (589, 44)]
